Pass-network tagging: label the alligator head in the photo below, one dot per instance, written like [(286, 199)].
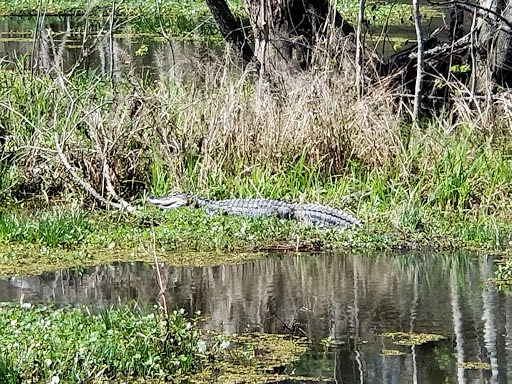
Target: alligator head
[(176, 200)]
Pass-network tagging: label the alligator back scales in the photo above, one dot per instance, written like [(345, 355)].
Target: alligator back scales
[(313, 213)]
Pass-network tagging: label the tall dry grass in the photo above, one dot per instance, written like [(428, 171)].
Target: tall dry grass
[(216, 133)]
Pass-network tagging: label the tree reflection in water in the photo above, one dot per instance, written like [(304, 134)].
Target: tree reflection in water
[(350, 299)]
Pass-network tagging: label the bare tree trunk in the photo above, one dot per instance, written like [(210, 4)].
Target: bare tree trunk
[(494, 46), (286, 31), (273, 32), (231, 29), (420, 62), (503, 68)]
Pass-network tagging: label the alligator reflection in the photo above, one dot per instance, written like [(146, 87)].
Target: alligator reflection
[(352, 299)]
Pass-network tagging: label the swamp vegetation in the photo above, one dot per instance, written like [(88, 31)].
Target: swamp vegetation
[(47, 344), (426, 316), (442, 182), (298, 114), (442, 185), (44, 342), (185, 19)]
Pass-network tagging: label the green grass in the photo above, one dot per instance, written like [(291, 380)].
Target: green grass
[(184, 229), (58, 228), (187, 229), (9, 373)]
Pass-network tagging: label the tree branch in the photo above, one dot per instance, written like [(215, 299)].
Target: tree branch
[(231, 29), (472, 7)]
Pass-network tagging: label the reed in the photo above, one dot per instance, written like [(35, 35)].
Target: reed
[(309, 140)]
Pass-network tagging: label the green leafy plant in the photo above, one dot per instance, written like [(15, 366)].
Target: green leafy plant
[(74, 345)]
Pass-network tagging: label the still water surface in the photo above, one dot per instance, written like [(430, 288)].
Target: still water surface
[(59, 44), (352, 299)]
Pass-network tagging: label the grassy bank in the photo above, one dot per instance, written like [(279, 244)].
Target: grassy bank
[(446, 184)]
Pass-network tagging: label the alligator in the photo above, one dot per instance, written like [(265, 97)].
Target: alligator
[(311, 213)]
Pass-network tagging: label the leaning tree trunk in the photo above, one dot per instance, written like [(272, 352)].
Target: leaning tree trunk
[(231, 29), (494, 46), (286, 31)]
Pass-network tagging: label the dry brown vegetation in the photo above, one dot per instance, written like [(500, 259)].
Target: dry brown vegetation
[(218, 133)]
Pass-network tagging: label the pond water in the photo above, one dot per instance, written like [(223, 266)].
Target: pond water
[(60, 41), (351, 299)]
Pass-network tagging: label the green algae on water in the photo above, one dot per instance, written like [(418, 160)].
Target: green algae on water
[(391, 352), (254, 358), (477, 365), (32, 260), (411, 338)]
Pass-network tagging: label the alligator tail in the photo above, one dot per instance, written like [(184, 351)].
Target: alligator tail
[(324, 215)]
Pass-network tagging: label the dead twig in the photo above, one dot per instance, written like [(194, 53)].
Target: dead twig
[(123, 205), (102, 150), (120, 204), (161, 293)]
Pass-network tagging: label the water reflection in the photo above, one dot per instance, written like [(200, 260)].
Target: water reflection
[(352, 299), (61, 45)]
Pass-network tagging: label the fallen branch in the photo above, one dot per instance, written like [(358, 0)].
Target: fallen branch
[(122, 205), (432, 54), (103, 157)]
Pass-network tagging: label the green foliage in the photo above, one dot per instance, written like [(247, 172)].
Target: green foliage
[(295, 180), (503, 275), (464, 68), (40, 343), (187, 18), (72, 345), (161, 179), (9, 374), (380, 13), (456, 177), (64, 228)]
